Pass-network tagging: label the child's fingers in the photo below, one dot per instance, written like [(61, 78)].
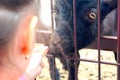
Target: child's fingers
[(41, 49), (45, 50)]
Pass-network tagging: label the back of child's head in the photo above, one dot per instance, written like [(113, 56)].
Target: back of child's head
[(11, 13)]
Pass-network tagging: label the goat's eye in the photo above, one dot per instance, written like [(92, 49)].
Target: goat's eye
[(92, 15)]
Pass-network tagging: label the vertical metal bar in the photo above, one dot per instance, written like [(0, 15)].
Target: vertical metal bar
[(75, 38), (51, 60), (54, 68), (52, 15), (52, 24), (118, 42), (74, 17), (99, 65)]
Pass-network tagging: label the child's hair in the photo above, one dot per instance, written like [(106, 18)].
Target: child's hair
[(14, 4), (11, 12)]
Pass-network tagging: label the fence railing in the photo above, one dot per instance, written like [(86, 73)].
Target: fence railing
[(111, 43)]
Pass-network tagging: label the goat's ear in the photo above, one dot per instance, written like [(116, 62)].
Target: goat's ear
[(27, 33)]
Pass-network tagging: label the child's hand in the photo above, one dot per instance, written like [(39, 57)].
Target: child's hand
[(35, 65)]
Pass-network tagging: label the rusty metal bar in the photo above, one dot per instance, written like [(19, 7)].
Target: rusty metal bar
[(74, 21), (99, 64), (106, 43), (53, 26), (92, 61), (118, 42), (75, 38)]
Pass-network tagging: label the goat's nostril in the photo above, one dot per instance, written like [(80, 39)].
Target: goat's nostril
[(92, 15)]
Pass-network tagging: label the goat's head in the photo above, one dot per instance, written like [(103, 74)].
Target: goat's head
[(86, 23)]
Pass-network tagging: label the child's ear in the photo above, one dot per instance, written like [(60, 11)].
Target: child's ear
[(28, 33)]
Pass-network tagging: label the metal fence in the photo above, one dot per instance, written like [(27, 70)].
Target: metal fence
[(102, 42)]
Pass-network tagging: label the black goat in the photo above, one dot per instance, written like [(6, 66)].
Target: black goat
[(62, 40)]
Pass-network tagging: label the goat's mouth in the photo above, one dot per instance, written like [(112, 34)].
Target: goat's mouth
[(62, 47)]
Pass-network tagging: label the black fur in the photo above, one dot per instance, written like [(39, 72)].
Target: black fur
[(62, 40)]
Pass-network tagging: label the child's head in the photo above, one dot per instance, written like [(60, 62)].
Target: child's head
[(17, 27)]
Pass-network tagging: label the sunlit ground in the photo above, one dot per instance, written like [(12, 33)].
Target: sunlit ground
[(87, 70)]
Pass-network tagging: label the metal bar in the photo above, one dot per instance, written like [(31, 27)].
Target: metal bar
[(99, 64), (118, 42), (54, 68), (93, 61), (52, 16), (74, 18), (53, 26), (47, 32), (75, 38), (106, 43)]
